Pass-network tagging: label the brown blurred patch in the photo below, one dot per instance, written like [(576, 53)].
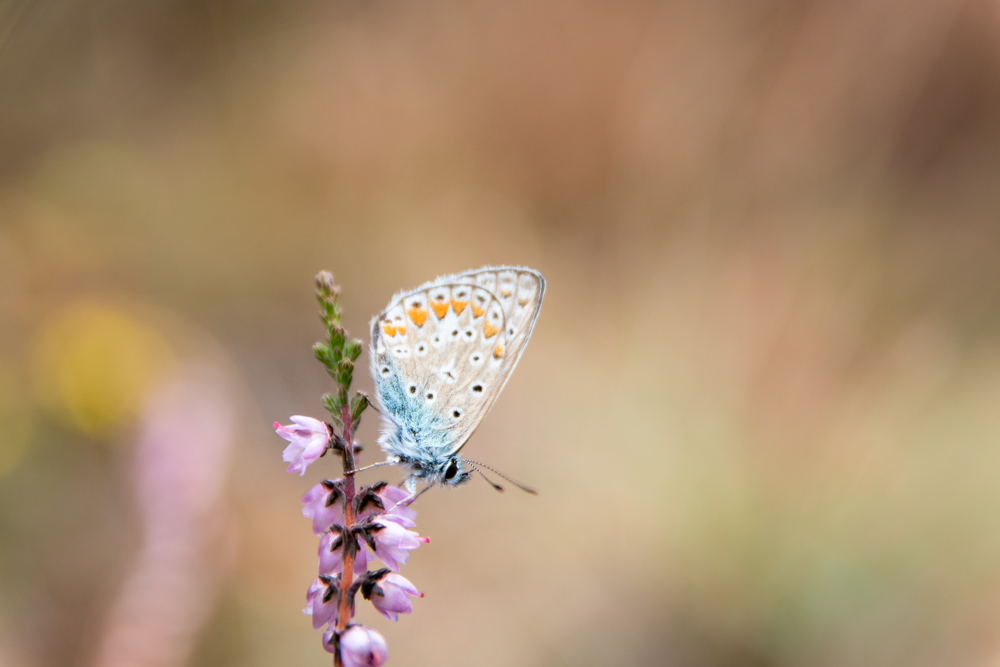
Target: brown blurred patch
[(760, 402)]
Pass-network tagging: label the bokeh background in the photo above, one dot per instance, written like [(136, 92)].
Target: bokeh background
[(762, 401)]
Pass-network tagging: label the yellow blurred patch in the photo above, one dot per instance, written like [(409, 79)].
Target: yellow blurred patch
[(94, 363)]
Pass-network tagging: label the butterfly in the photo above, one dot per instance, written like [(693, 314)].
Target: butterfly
[(440, 355)]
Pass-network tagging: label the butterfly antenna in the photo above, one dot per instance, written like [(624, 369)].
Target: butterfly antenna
[(528, 489), (488, 480)]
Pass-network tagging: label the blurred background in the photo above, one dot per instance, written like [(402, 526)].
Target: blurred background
[(761, 403)]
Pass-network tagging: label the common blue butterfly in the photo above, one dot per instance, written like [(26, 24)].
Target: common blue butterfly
[(440, 355)]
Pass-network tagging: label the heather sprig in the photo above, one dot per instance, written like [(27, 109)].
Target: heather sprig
[(356, 525)]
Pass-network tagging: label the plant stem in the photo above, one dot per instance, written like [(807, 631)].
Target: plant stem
[(348, 572)]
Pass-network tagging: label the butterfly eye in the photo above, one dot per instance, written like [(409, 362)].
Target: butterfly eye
[(452, 469), (477, 388)]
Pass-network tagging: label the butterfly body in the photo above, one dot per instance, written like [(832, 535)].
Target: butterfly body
[(440, 355)]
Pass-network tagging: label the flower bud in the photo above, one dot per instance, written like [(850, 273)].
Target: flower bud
[(362, 647), (324, 505), (331, 553), (321, 603), (324, 283)]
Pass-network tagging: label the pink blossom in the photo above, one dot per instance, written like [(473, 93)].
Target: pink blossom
[(393, 541), (331, 558), (321, 612), (307, 438), (328, 644), (324, 505), (391, 497), (391, 596), (362, 647)]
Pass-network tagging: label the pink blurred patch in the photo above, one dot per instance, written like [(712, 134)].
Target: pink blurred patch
[(181, 466)]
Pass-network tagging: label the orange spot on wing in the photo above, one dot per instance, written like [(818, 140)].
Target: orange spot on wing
[(401, 330), (523, 302), (477, 311), (440, 308), (458, 306), (489, 330), (417, 315), (505, 293), (498, 351), (388, 329)]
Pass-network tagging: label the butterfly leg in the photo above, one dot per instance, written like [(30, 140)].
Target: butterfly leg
[(390, 462), (405, 502), (371, 404)]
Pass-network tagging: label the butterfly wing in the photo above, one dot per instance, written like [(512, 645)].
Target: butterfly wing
[(451, 345)]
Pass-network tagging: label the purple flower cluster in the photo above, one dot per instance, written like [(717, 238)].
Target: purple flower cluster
[(378, 527)]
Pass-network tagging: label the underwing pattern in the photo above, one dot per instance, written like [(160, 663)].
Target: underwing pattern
[(440, 355)]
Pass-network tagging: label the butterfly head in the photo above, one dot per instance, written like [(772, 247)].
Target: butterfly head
[(448, 471), (452, 473)]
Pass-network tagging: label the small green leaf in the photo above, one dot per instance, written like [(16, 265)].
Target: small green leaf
[(336, 354), (337, 337), (332, 404), (346, 367), (322, 353), (358, 406)]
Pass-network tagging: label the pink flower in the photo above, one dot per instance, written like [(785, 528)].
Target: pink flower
[(324, 505), (328, 642), (321, 612), (307, 439), (392, 542), (391, 496), (362, 647), (391, 596), (331, 555)]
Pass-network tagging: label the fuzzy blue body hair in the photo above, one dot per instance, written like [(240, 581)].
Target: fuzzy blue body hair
[(425, 435)]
